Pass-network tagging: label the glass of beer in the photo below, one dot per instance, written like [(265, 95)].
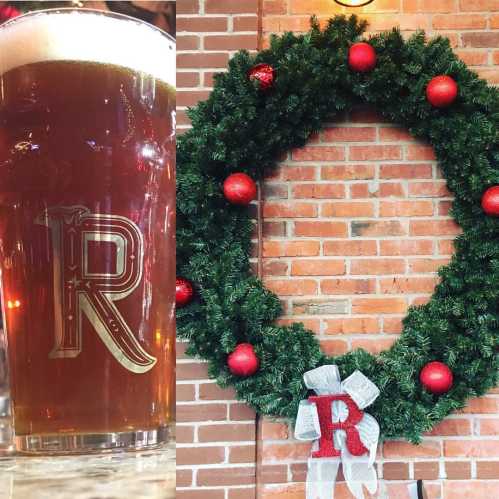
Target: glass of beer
[(87, 215)]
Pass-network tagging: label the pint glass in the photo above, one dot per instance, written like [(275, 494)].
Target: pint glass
[(87, 203)]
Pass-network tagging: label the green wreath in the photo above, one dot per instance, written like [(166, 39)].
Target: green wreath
[(241, 128)]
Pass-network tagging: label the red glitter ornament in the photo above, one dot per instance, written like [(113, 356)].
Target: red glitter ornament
[(243, 360), (8, 12), (362, 57), (436, 377), (264, 74), (184, 292), (441, 91), (490, 201), (239, 188)]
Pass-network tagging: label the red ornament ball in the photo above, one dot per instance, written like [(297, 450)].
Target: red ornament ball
[(239, 188), (264, 74), (8, 12), (490, 201), (184, 292), (362, 57), (441, 91), (243, 360), (436, 377)]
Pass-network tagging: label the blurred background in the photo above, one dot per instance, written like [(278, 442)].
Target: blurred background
[(161, 14)]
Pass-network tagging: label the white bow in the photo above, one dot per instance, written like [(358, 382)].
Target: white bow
[(358, 471)]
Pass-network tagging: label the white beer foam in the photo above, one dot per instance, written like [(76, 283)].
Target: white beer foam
[(87, 36)]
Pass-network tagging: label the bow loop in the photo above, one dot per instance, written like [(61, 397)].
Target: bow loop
[(341, 431)]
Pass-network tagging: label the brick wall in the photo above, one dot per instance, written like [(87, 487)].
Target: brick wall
[(215, 434), (355, 226)]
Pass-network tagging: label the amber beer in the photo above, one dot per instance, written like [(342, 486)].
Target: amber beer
[(87, 203)]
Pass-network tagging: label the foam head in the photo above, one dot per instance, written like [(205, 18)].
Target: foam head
[(85, 35)]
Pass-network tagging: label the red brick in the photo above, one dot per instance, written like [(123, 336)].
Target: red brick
[(350, 248), (473, 57), (191, 97), (319, 191), (202, 60), (184, 434), (489, 426), (487, 470), (231, 7), (274, 229), (420, 152), (458, 470), (245, 23), (374, 346), (349, 134), (471, 489), (201, 412), (426, 470), (482, 405), (290, 248), (379, 305), (188, 7), (391, 189), (280, 452), (406, 170), (275, 268), (481, 39), (281, 209), (394, 134), (295, 173), (321, 229), (348, 209), (242, 493), (397, 449), (211, 391), (433, 228), (226, 476), (374, 152), (374, 228), (227, 432), (396, 247), (187, 42), (200, 455), (241, 412), (428, 6), (380, 266), (317, 267), (242, 454), (199, 494), (406, 208), (428, 189), (274, 7), (395, 471), (347, 172), (477, 5), (230, 42), (319, 153), (407, 285), (470, 448), (184, 478), (347, 286), (452, 427), (187, 80), (185, 393), (271, 430), (201, 24), (392, 325), (295, 287), (425, 265), (459, 21), (272, 473), (354, 325), (191, 370)]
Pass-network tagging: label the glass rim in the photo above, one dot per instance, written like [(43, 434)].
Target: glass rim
[(84, 10)]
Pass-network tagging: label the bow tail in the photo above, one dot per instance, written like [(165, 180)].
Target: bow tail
[(321, 478)]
